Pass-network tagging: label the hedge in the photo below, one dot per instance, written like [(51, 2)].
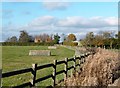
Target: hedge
[(26, 44), (70, 43)]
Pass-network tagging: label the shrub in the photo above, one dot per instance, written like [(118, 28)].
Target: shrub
[(70, 43), (26, 44)]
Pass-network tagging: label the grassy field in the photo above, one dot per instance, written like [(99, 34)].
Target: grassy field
[(16, 57)]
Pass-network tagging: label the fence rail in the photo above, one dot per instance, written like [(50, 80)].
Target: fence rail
[(33, 70), (16, 72)]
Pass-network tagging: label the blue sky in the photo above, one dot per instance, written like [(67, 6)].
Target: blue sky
[(58, 17)]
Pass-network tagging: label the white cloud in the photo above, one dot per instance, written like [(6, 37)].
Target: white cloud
[(9, 30), (55, 5), (50, 24), (112, 20), (94, 22), (42, 21), (77, 25)]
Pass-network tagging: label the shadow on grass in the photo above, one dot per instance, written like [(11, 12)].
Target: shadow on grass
[(53, 55)]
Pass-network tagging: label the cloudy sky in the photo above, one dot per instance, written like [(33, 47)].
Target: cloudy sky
[(58, 17)]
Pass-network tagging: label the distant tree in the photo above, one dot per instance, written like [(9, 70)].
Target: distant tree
[(106, 35), (101, 39), (63, 37), (31, 38), (12, 39), (56, 39), (89, 38), (118, 38), (24, 37), (118, 35), (71, 37), (7, 40), (51, 36), (98, 40), (83, 42), (108, 38), (45, 38)]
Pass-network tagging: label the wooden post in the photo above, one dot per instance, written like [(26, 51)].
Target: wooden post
[(79, 61), (82, 58), (71, 73), (88, 53), (85, 55), (75, 63), (65, 68), (54, 73), (34, 66)]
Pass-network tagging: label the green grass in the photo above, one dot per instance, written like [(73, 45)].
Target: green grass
[(16, 57)]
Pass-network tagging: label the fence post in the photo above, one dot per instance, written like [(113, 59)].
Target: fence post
[(75, 63), (79, 61), (65, 68), (34, 66), (82, 58), (71, 73), (54, 73), (85, 55)]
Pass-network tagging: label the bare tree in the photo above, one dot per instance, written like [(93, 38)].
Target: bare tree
[(24, 37), (12, 39)]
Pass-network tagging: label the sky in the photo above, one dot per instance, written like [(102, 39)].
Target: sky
[(58, 17)]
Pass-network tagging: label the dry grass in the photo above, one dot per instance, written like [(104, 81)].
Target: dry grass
[(98, 70)]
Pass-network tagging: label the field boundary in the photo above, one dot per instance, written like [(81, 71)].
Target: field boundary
[(35, 67)]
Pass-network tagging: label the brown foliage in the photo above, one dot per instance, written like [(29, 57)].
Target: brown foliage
[(71, 37), (43, 38), (98, 70), (70, 43)]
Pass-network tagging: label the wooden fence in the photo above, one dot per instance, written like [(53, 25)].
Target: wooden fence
[(35, 67)]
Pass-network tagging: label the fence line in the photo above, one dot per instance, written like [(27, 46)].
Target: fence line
[(33, 70)]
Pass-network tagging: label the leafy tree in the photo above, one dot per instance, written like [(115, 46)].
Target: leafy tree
[(56, 39), (102, 39), (108, 38), (24, 37), (98, 40), (117, 39), (89, 38), (83, 42), (71, 37)]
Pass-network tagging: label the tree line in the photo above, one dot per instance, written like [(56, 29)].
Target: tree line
[(26, 39), (103, 39)]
